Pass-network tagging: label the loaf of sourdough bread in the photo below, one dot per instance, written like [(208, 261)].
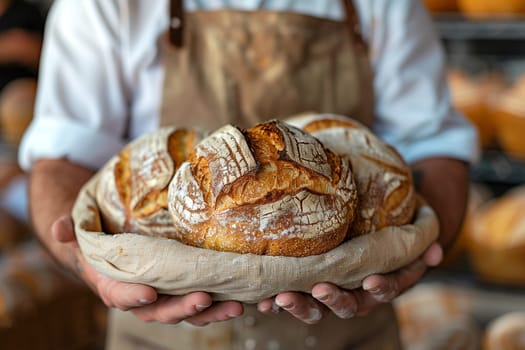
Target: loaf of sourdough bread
[(385, 188), (272, 189), (133, 186)]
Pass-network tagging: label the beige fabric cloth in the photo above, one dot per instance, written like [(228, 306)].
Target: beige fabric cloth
[(175, 268), (243, 67)]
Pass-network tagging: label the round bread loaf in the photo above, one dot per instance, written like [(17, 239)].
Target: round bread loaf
[(432, 316), (491, 8), (496, 243), (475, 97), (510, 119), (132, 191), (385, 189), (507, 332), (16, 108), (270, 190), (12, 230)]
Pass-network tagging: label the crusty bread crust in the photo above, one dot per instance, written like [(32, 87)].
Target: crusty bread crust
[(385, 188), (293, 188), (272, 189), (132, 193)]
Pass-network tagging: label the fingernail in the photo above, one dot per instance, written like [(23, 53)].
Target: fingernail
[(283, 305), (374, 290), (232, 315), (145, 301), (200, 308), (322, 297)]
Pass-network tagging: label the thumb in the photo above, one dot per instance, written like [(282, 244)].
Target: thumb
[(62, 230)]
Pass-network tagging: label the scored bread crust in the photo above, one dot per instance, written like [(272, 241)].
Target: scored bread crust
[(272, 189), (385, 189), (132, 191)]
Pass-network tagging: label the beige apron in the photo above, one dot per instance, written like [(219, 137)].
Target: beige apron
[(242, 67)]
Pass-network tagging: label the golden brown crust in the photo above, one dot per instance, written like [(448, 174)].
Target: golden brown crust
[(133, 193), (434, 316), (496, 242), (271, 189), (385, 189), (506, 332), (509, 115)]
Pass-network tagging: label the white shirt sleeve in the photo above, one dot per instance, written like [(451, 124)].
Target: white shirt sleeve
[(412, 100), (81, 108)]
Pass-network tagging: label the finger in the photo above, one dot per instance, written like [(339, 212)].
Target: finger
[(173, 309), (124, 296), (342, 303), (63, 230), (218, 312), (268, 306), (385, 288), (433, 255), (301, 306)]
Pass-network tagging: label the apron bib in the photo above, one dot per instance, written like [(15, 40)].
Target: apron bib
[(242, 68)]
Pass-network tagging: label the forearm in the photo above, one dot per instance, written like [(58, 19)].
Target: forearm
[(443, 182), (17, 46), (53, 187)]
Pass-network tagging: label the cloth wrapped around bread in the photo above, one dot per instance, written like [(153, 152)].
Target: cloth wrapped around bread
[(246, 214)]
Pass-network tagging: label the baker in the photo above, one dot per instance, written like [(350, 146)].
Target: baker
[(113, 70)]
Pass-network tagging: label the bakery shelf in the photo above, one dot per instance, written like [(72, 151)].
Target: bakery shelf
[(457, 27), (499, 171), (496, 37), (490, 300)]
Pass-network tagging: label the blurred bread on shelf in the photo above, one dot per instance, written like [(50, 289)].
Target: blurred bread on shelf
[(41, 307), (9, 170), (434, 317), (491, 8), (474, 97), (506, 332), (478, 195), (496, 244), (510, 119), (16, 109), (441, 6), (12, 230)]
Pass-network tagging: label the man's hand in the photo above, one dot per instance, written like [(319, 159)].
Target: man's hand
[(444, 184), (195, 308), (376, 290), (54, 185)]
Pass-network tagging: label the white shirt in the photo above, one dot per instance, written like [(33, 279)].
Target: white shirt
[(100, 66)]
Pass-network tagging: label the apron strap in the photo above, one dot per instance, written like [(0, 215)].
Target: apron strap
[(176, 32), (352, 21), (176, 22)]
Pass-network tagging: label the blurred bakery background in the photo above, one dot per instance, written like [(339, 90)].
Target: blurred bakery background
[(41, 307), (476, 298), (473, 301)]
